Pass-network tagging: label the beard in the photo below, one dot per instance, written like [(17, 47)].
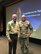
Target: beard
[(23, 20), (14, 20)]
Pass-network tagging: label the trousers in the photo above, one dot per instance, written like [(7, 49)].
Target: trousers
[(24, 42), (13, 43)]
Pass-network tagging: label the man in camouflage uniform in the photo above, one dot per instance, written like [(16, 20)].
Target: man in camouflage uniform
[(25, 32), (12, 33)]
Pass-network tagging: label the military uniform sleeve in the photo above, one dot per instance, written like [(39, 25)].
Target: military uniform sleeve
[(7, 31), (30, 27)]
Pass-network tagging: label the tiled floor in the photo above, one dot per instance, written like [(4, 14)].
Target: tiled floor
[(34, 48)]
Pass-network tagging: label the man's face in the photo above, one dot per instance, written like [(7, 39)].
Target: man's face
[(14, 17), (23, 19)]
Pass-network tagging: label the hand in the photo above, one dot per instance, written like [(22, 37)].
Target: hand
[(19, 39), (28, 34), (18, 35), (9, 39)]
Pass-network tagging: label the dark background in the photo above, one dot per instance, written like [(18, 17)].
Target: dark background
[(3, 5)]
